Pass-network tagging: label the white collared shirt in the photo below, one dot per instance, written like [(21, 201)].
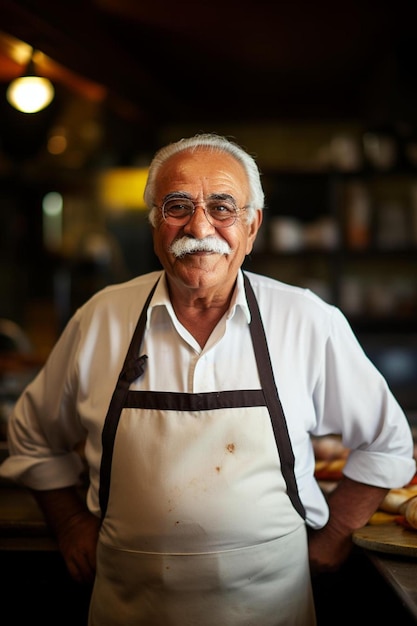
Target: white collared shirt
[(326, 384)]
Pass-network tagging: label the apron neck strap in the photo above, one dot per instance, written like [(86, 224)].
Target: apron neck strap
[(273, 402), (132, 368)]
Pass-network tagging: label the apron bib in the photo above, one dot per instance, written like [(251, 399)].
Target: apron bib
[(201, 519)]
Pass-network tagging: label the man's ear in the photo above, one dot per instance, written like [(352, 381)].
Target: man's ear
[(254, 227)]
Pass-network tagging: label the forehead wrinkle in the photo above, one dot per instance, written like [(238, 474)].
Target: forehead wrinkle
[(213, 171)]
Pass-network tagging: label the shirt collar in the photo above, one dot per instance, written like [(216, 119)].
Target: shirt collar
[(239, 299), (161, 298)]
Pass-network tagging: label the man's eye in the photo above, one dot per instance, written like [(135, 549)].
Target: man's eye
[(222, 209), (177, 207)]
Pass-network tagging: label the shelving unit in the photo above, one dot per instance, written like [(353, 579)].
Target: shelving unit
[(326, 231), (351, 237)]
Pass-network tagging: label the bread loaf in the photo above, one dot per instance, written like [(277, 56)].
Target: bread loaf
[(395, 498), (409, 510)]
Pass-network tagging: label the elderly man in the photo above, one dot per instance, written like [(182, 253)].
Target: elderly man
[(196, 390)]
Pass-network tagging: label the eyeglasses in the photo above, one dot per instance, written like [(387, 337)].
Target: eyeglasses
[(220, 212)]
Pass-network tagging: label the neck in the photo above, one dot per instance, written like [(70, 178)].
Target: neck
[(199, 313)]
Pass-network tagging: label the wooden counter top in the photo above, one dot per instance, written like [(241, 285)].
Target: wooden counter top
[(388, 538)]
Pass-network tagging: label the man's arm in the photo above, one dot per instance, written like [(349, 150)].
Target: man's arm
[(351, 505), (75, 528)]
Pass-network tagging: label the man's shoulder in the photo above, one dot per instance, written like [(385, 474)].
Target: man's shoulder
[(142, 283), (263, 284), (275, 294), (114, 297)]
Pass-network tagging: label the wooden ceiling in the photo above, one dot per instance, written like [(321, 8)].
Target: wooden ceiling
[(161, 62)]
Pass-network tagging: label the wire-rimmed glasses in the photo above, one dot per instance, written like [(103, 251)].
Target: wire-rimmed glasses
[(220, 212)]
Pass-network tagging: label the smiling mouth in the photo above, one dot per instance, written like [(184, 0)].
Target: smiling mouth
[(197, 253)]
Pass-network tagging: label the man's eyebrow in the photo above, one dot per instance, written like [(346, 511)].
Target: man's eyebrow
[(177, 194), (221, 196)]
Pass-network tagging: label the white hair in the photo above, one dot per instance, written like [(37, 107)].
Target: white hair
[(216, 143)]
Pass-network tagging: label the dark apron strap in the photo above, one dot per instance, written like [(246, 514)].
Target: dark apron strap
[(273, 402), (133, 367)]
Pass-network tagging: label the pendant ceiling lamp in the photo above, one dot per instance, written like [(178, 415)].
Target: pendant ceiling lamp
[(30, 93)]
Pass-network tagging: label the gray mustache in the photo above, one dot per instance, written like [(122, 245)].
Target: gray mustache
[(185, 245)]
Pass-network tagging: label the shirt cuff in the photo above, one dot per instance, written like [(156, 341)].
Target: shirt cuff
[(44, 474), (379, 470)]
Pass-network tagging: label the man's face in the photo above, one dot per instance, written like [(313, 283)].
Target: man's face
[(201, 175)]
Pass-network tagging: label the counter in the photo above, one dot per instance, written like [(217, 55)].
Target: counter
[(400, 573)]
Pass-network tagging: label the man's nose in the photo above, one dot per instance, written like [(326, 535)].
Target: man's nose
[(198, 222)]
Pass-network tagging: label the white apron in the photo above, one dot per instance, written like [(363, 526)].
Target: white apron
[(202, 524)]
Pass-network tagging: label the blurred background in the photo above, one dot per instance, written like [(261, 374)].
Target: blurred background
[(323, 94)]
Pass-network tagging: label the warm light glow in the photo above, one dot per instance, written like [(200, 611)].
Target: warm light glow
[(57, 144), (122, 188), (30, 94)]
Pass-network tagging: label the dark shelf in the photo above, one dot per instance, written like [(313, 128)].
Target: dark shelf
[(371, 277), (398, 253), (391, 325)]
